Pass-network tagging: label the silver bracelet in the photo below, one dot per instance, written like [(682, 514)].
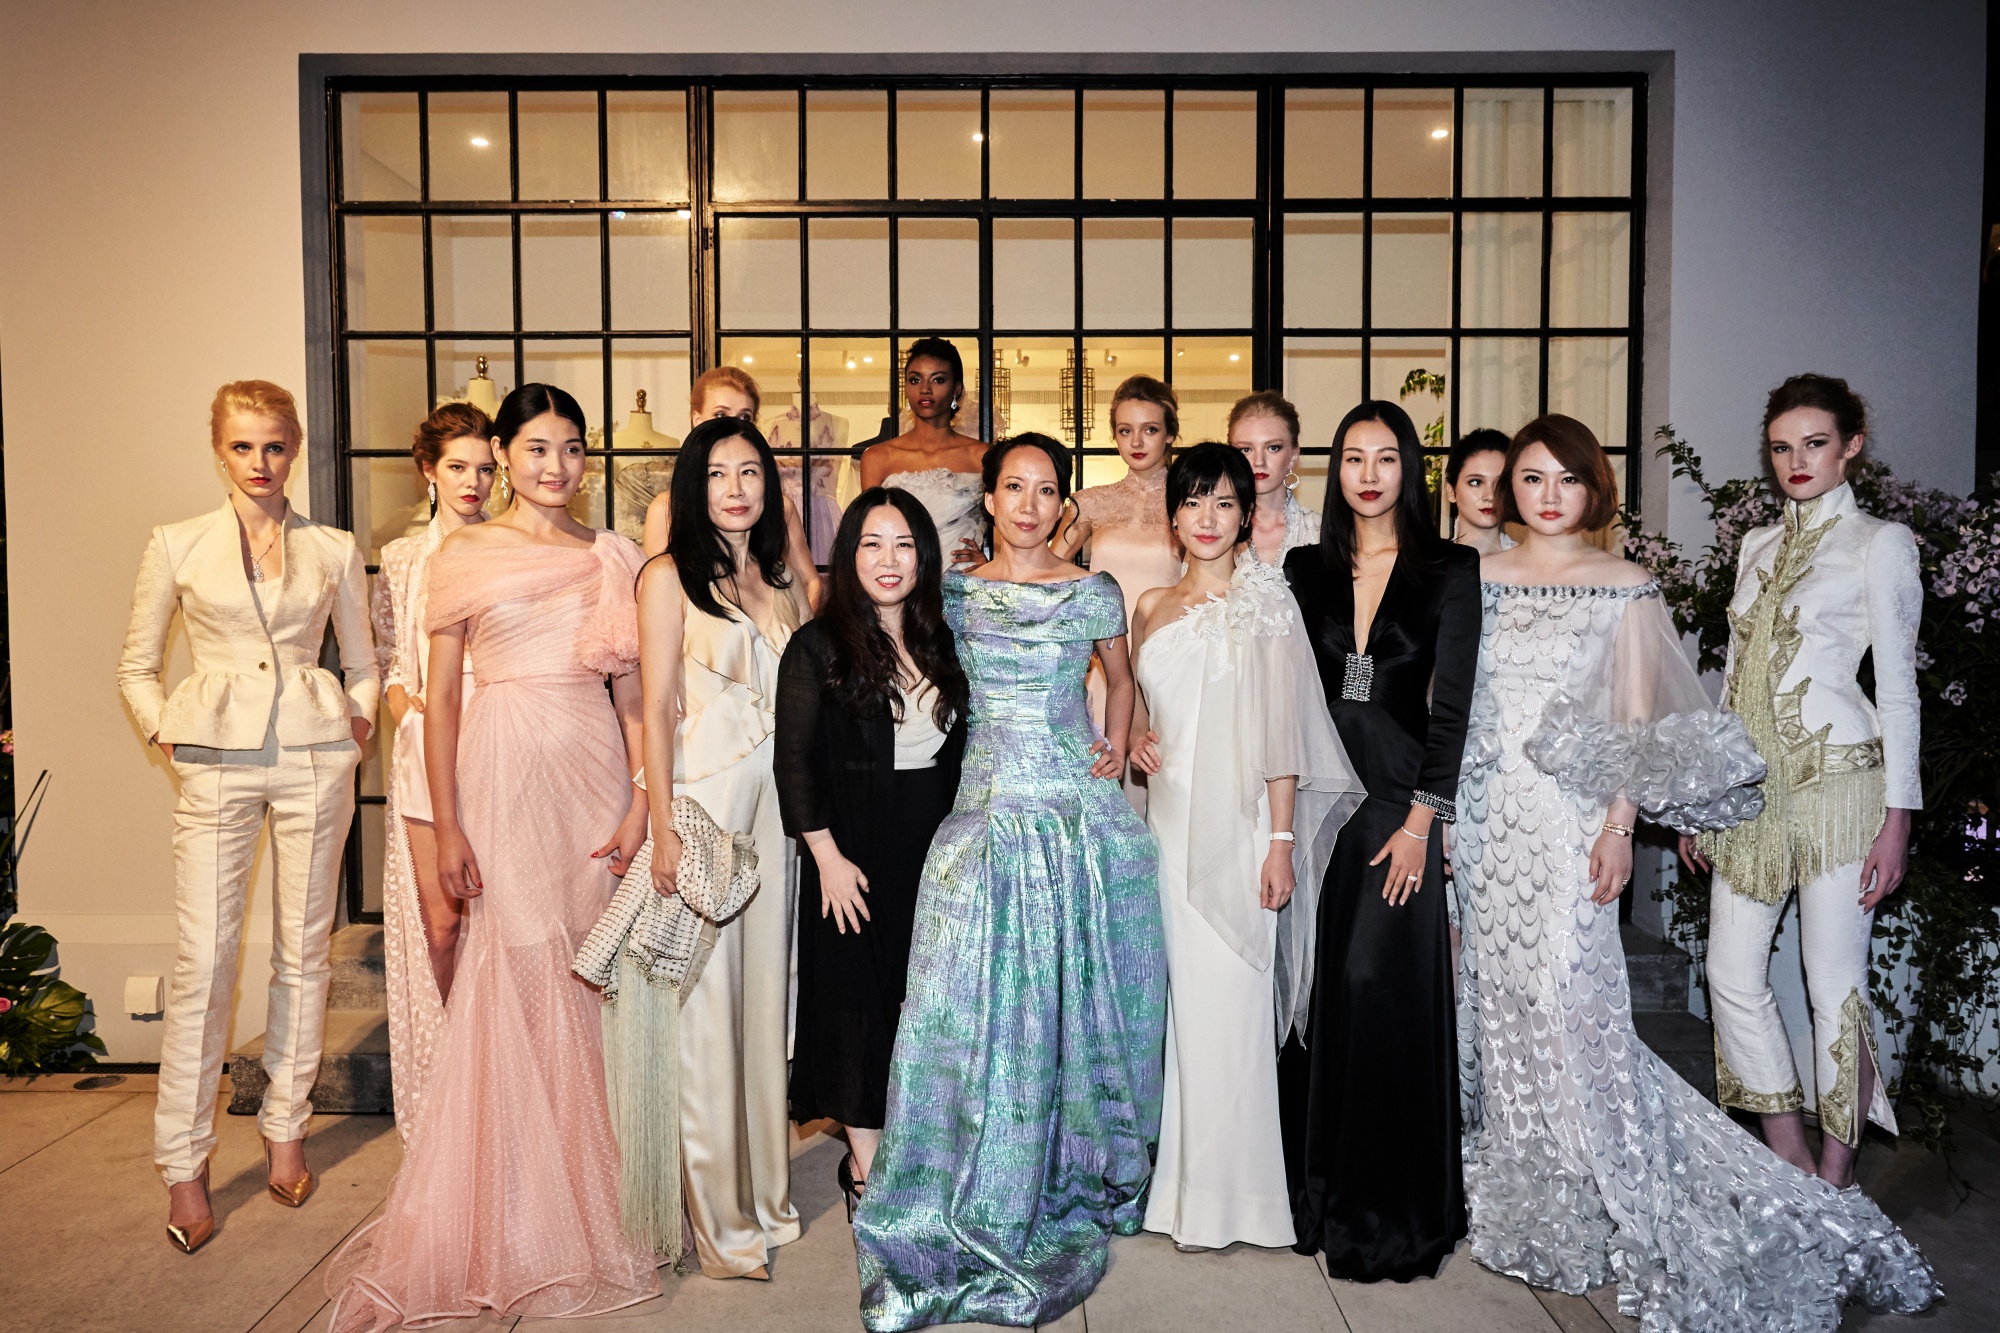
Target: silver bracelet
[(1420, 837)]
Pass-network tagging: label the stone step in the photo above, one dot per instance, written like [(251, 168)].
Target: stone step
[(353, 1073), (1659, 972), (1685, 1042), (358, 978)]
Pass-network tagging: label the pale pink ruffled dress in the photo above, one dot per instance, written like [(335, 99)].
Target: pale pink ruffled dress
[(508, 1195)]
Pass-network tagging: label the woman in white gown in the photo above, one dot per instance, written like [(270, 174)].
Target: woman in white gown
[(1589, 1160), (932, 460), (1239, 732)]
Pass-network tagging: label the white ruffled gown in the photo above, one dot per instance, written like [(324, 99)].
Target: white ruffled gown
[(1588, 1159)]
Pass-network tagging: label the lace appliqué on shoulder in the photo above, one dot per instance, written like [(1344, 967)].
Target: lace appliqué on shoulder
[(1259, 606)]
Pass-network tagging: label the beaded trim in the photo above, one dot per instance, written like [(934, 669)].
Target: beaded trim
[(1358, 681), (1646, 589), (1447, 810)]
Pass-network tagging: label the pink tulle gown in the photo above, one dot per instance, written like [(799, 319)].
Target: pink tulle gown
[(508, 1195)]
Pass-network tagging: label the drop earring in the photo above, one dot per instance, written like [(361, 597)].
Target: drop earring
[(506, 490), (434, 499), (1291, 480)]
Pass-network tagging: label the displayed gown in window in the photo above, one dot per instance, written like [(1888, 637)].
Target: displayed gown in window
[(1589, 1160), (828, 433), (1024, 1097)]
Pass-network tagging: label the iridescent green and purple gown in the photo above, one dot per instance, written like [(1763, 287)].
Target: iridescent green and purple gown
[(1024, 1100)]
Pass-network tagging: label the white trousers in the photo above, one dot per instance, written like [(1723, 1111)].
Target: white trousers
[(306, 795), (1755, 1070)]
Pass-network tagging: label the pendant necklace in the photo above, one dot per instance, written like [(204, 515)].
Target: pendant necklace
[(257, 561)]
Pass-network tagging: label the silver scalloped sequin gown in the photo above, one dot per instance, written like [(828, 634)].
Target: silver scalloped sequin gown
[(1588, 1159)]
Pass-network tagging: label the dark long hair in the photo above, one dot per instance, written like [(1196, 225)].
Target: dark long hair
[(1414, 535), (865, 670), (700, 554)]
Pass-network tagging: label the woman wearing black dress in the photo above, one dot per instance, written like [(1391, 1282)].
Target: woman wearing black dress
[(870, 729), (1369, 1103)]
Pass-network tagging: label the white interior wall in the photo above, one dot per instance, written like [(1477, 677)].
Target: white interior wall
[(1824, 210)]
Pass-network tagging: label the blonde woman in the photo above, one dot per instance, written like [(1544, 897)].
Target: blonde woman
[(1266, 428), (258, 734)]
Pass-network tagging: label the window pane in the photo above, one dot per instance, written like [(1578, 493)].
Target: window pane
[(966, 420), (758, 267), (1500, 271), (937, 145), (472, 272), (476, 371), (850, 272), (1391, 362), (1412, 143), (1503, 142), (1124, 273), (938, 285), (850, 382), (1215, 145), (1590, 269), (774, 364), (1593, 149), (558, 145), (649, 271), (646, 146), (1112, 361), (385, 273), (1323, 270), (1027, 386), (1210, 374), (1034, 273), (756, 146), (1499, 383), (1032, 144), (1323, 132), (388, 500), (577, 367), (1124, 145), (1411, 281), (1212, 273), (378, 146), (1587, 380), (656, 373), (561, 272), (469, 146), (386, 394), (847, 145), (1323, 381)]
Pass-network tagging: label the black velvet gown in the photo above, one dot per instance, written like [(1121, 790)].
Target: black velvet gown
[(1369, 1103)]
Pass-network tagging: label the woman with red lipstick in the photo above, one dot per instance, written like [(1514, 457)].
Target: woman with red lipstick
[(1392, 612), (420, 921), (1250, 786), (1266, 428), (1471, 488), (716, 613), (871, 725), (1590, 1161), (932, 460), (1815, 593)]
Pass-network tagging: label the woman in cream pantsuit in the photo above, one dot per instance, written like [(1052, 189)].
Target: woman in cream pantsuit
[(1814, 593), (258, 733)]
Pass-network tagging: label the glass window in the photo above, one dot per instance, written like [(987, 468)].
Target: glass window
[(1323, 270), (756, 146), (1112, 361), (1392, 364), (938, 273), (649, 271), (1590, 269), (1124, 144), (1502, 152), (938, 143), (1034, 273), (472, 271), (1214, 262), (380, 156), (1028, 386), (1323, 381), (385, 272), (645, 137), (847, 145), (1499, 383), (1593, 141), (387, 393), (1324, 129), (1410, 284), (561, 272), (1032, 143), (558, 145), (1412, 143), (1587, 380), (758, 268), (1209, 375), (1124, 273), (849, 260), (469, 146), (1215, 145), (1500, 270)]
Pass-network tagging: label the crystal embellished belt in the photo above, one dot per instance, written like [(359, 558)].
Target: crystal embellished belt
[(1358, 683)]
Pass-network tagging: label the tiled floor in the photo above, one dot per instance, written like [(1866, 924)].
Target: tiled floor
[(82, 1248)]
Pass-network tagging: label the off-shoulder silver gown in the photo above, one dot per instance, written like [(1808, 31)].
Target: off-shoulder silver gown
[(1588, 1159)]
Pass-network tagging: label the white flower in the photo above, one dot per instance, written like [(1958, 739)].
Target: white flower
[(1954, 693)]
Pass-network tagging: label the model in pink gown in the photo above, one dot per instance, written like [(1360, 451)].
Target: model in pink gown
[(508, 1195)]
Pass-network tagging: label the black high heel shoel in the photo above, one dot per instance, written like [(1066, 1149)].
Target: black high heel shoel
[(850, 1188)]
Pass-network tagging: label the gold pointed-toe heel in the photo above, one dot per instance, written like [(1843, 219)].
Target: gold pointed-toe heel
[(189, 1239), (295, 1193)]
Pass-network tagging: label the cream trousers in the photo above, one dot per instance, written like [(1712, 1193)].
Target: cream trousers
[(306, 795), (735, 1120), (1754, 1068)]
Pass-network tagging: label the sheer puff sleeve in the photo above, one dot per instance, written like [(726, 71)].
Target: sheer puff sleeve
[(1633, 721), (1263, 717)]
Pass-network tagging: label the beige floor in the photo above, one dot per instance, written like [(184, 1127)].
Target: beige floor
[(82, 1248)]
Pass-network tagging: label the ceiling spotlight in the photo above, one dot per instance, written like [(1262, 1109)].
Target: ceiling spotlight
[(1440, 133), (749, 360), (1234, 357), (682, 214), (480, 141), (1110, 357), (977, 137), (618, 213), (868, 360)]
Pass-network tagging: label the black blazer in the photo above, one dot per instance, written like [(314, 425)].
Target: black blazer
[(1425, 648), (834, 768)]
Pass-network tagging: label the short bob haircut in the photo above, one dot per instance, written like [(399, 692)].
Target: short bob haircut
[(1198, 471), (1580, 455), (254, 398)]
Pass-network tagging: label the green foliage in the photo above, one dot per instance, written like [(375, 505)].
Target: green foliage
[(1432, 383), (41, 1015), (1942, 926)]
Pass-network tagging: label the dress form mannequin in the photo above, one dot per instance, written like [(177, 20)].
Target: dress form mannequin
[(806, 425), (642, 479)]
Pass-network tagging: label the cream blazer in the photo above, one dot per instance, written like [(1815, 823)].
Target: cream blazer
[(242, 653)]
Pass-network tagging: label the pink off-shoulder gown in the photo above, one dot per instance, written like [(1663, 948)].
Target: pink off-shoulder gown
[(508, 1195)]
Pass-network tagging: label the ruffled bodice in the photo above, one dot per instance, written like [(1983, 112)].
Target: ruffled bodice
[(729, 684), (952, 498), (1301, 529), (517, 596)]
